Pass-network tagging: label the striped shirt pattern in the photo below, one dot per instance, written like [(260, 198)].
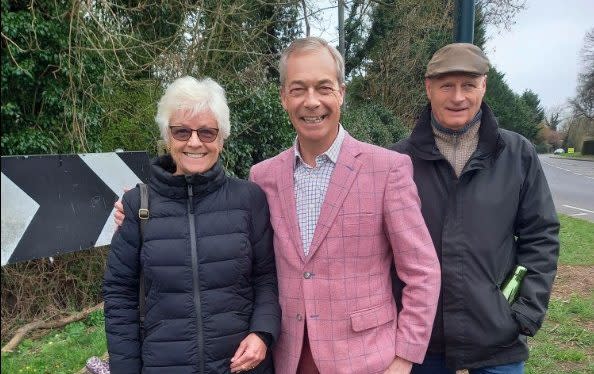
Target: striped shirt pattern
[(311, 184)]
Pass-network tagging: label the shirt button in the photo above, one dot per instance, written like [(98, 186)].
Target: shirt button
[(299, 317), (307, 275)]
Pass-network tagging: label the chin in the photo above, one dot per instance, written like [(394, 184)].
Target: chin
[(455, 123), (193, 170)]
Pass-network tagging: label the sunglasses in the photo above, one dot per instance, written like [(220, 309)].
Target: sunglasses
[(205, 134)]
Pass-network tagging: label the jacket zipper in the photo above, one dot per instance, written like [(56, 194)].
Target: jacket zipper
[(194, 253)]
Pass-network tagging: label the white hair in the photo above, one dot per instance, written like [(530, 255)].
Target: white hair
[(195, 96)]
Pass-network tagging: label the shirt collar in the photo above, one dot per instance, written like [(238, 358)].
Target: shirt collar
[(331, 153)]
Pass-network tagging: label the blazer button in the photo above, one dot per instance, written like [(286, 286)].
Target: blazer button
[(299, 317), (307, 275)]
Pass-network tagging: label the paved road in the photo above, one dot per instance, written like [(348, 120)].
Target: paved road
[(572, 185)]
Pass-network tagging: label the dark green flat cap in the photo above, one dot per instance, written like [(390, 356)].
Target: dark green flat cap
[(458, 58)]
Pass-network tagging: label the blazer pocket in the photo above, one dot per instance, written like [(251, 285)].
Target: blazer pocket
[(372, 317)]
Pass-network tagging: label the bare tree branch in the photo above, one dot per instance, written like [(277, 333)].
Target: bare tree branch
[(305, 18)]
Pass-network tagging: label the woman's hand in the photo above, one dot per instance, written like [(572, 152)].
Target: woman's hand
[(251, 351), (399, 366)]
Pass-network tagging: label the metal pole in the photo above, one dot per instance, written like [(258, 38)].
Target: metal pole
[(341, 27), (464, 28)]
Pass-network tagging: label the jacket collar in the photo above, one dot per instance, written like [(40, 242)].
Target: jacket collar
[(176, 186), (490, 142)]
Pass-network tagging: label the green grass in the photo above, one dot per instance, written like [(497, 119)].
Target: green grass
[(576, 155), (62, 351), (564, 344), (577, 241)]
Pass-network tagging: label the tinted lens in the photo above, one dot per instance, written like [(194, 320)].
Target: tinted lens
[(180, 132), (205, 134)]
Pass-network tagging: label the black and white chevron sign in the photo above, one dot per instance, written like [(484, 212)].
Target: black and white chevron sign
[(54, 204)]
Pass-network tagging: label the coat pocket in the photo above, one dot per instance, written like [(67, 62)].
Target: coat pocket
[(509, 330), (372, 317)]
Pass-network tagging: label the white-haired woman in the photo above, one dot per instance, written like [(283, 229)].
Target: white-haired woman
[(206, 254)]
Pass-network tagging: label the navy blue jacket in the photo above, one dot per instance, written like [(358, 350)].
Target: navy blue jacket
[(209, 274)]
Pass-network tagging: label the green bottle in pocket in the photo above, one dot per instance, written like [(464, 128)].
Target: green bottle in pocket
[(511, 287)]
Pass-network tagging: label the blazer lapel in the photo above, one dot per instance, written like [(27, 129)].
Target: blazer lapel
[(346, 169), (286, 192)]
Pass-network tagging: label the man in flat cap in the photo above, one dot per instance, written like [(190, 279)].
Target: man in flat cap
[(488, 208)]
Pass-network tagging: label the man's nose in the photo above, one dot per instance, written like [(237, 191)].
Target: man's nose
[(458, 94), (311, 98)]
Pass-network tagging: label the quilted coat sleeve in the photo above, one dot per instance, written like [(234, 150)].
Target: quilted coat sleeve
[(415, 260), (267, 313), (120, 293), (537, 232)]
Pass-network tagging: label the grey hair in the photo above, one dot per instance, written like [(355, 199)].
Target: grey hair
[(195, 96), (311, 43)]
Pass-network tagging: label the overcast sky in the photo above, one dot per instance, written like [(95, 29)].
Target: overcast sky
[(541, 52)]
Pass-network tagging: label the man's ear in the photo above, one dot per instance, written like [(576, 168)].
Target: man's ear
[(342, 90), (428, 87), (283, 97)]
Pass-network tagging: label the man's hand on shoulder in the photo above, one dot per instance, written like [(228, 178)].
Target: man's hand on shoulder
[(118, 214), (399, 366)]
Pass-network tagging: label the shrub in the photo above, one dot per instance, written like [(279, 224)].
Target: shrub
[(543, 148), (588, 147), (129, 117), (42, 289), (260, 128), (373, 123)]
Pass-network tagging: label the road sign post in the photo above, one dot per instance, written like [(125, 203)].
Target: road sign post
[(464, 28)]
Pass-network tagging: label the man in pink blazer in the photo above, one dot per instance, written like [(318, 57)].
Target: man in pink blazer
[(343, 212)]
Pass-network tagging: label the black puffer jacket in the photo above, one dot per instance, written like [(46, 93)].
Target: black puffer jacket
[(497, 214), (209, 274)]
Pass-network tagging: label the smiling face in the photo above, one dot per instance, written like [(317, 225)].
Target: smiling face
[(194, 156), (312, 97), (455, 98)]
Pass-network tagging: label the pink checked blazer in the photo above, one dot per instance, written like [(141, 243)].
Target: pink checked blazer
[(370, 219)]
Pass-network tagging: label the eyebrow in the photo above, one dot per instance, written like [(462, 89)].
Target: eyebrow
[(200, 125), (302, 83)]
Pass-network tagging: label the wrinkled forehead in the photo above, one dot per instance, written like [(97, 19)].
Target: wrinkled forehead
[(186, 114), (311, 67)]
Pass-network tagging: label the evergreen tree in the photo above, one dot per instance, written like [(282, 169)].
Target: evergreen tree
[(533, 102), (511, 110)]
